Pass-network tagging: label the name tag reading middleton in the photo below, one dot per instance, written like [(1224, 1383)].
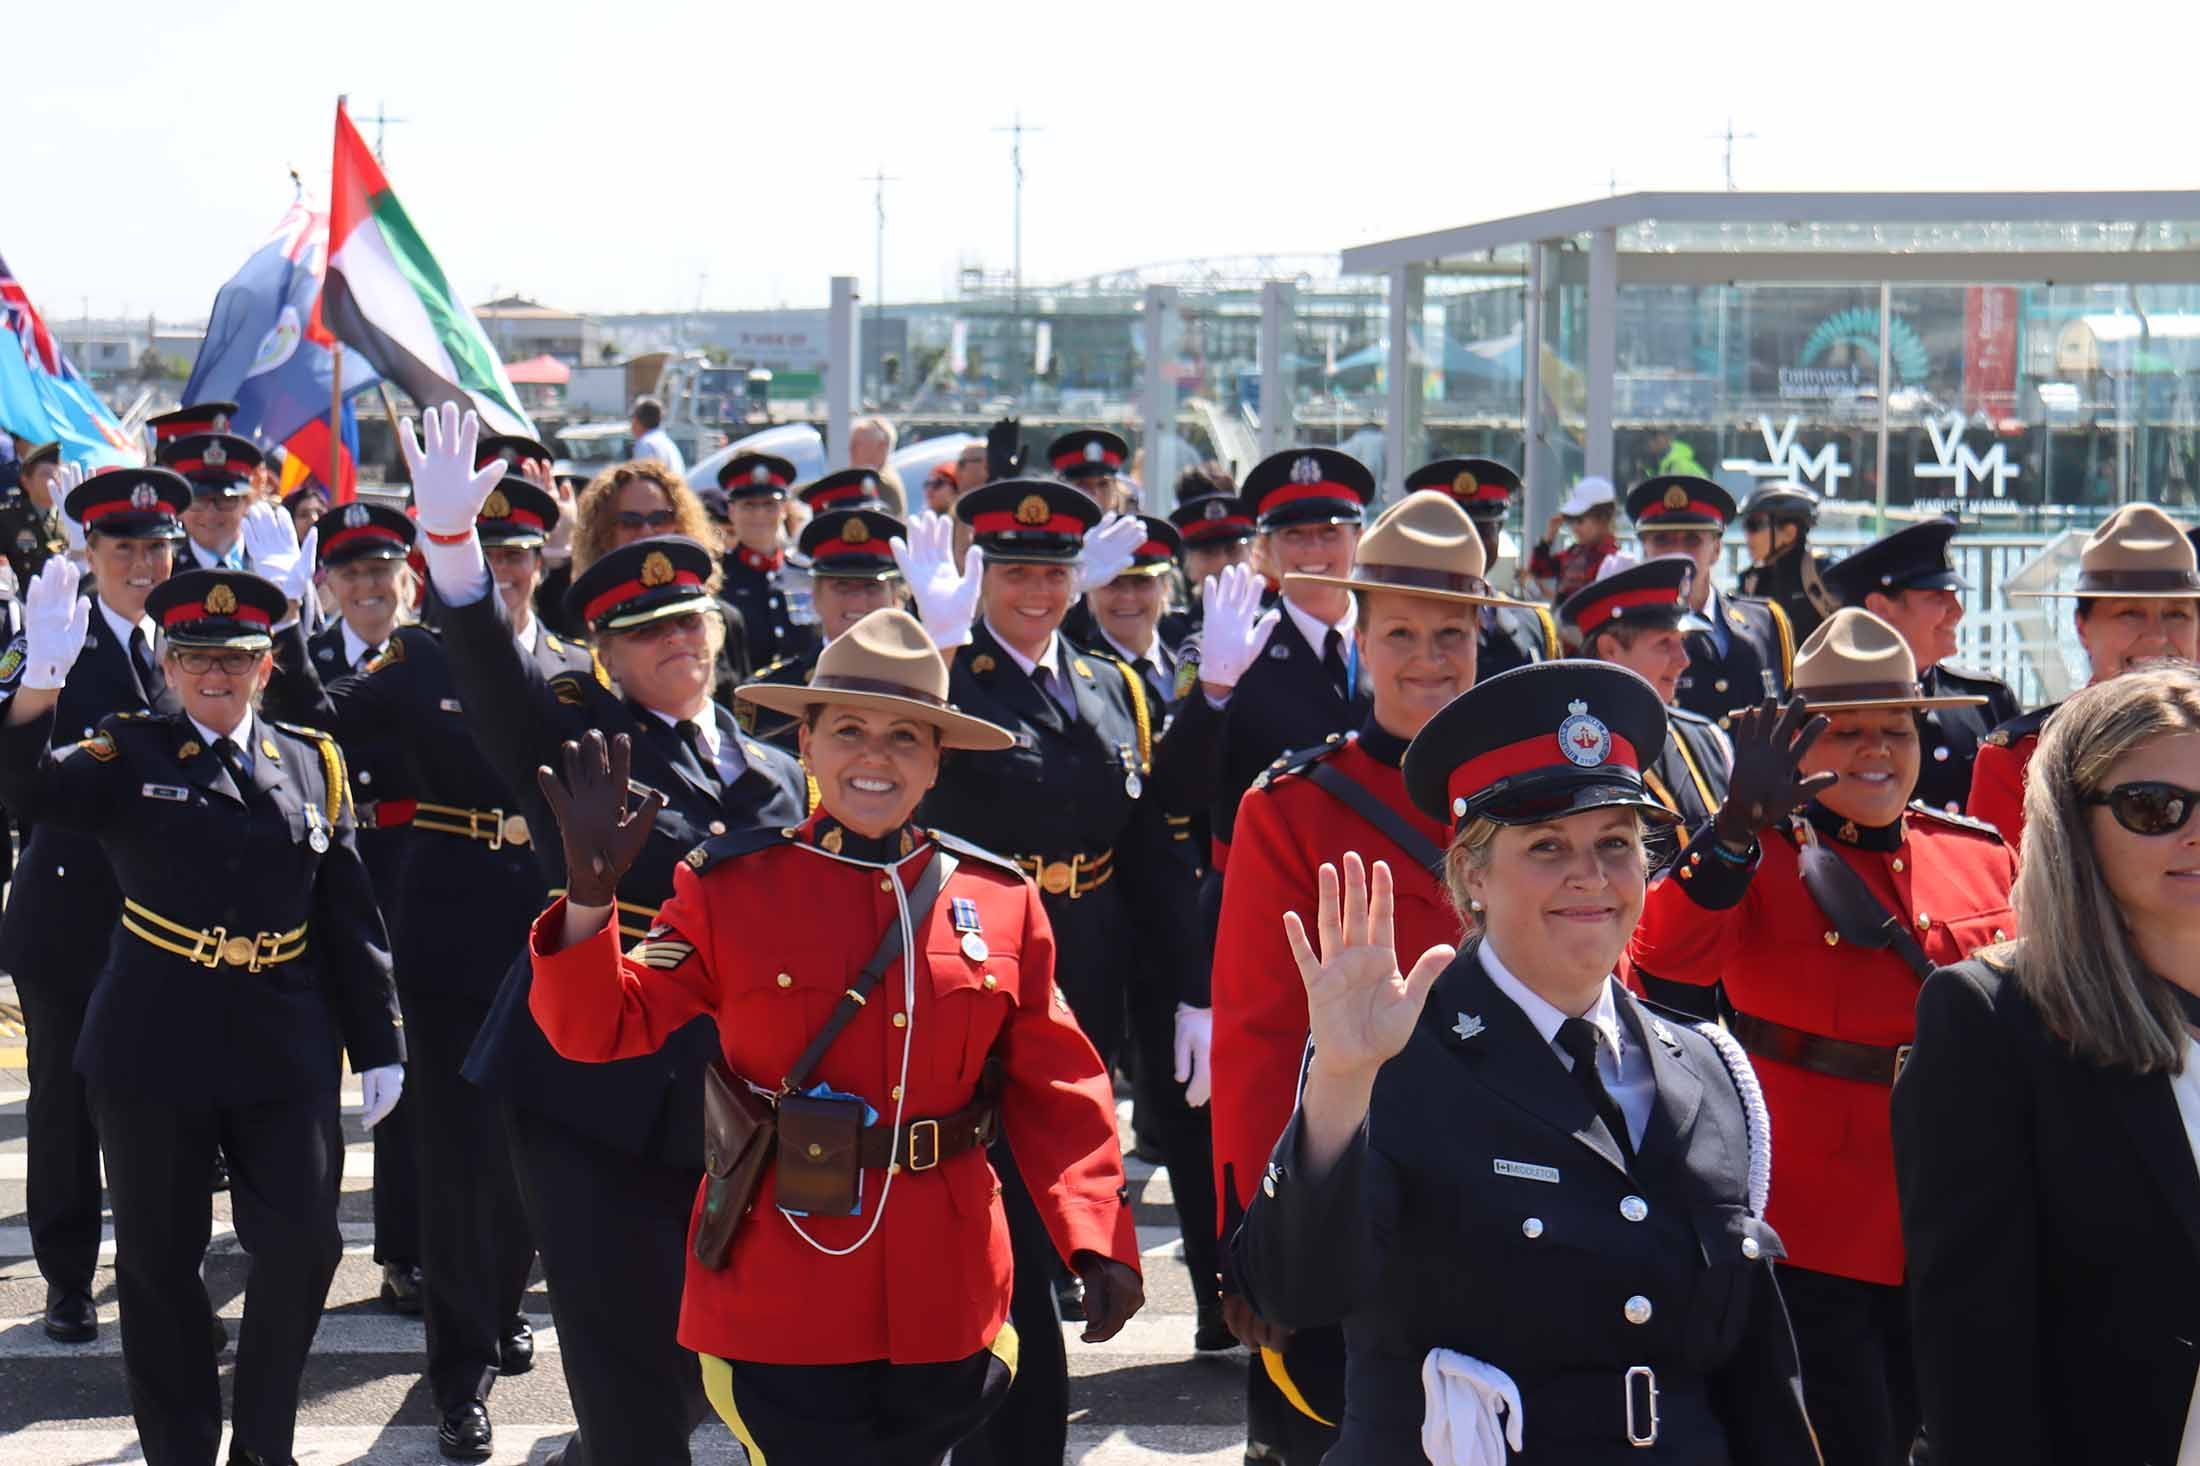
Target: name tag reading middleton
[(1525, 1171)]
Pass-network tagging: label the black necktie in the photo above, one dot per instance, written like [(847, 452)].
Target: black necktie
[(1044, 681), (365, 657), (1333, 663), (1579, 1038), (141, 657), (692, 732)]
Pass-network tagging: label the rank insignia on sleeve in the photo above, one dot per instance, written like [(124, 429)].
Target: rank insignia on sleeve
[(663, 956), (11, 664), (568, 691), (1187, 673), (981, 664), (101, 746)]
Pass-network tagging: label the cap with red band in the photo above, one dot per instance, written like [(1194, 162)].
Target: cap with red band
[(1539, 743), (851, 544), (1156, 555), (646, 580), (1653, 594), (1308, 486), (1088, 453), (510, 449), (1483, 486), (756, 475), (1039, 521), (363, 531), (1211, 518), (849, 488), (1679, 501), (216, 608), (215, 463), (196, 417), (131, 503), (516, 514)]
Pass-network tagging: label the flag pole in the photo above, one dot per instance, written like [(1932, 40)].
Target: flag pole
[(336, 388)]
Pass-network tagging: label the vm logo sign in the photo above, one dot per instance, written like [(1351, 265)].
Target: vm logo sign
[(1785, 459), (1955, 462)]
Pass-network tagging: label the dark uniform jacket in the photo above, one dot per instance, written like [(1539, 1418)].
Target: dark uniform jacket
[(1514, 638), (1075, 791), (1759, 660), (62, 907), (778, 729), (1485, 1208), (2052, 1212), (189, 848), (375, 762), (1781, 580), (1948, 738), (767, 631), (520, 716), (458, 905), (1690, 776)]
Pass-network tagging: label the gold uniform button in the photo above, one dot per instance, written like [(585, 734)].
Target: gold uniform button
[(1833, 939), (1923, 921), (896, 1096), (886, 885), (2000, 935), (1637, 1310), (816, 1150), (901, 1020), (718, 827), (991, 982), (786, 980), (1898, 865), (1719, 686)]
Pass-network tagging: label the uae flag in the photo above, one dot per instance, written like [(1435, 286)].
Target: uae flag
[(385, 297)]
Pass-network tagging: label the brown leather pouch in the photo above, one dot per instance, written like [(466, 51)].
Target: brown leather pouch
[(738, 1130), (820, 1169)]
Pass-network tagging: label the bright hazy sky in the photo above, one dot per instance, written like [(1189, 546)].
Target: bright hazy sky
[(604, 157)]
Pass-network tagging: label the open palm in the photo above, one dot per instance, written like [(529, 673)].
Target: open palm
[(1359, 1007)]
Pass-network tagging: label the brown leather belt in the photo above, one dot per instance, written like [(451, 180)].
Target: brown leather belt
[(1836, 1058), (923, 1144)]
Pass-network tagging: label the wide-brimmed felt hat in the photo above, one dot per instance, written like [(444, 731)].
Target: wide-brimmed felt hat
[(1538, 743), (1423, 545), (221, 609), (1855, 662), (887, 662), (2137, 553), (1483, 486)]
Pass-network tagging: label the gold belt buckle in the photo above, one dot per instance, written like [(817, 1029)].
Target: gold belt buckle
[(924, 1127), (514, 829), (1901, 1057), (211, 949), (240, 952), (1056, 876)]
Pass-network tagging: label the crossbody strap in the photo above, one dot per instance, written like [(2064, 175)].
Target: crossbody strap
[(1392, 825), (937, 870), (1855, 912)]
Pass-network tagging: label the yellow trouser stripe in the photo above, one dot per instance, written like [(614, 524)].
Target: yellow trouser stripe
[(718, 1387), (1007, 1348), (1282, 1380)]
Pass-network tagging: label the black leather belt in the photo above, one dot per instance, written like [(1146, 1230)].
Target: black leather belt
[(923, 1144), (1620, 1405), (1836, 1058)]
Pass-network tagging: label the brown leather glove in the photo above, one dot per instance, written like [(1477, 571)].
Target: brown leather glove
[(602, 836), (1765, 787), (1113, 1292)]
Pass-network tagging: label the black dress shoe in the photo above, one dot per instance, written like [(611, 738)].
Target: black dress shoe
[(516, 1350), (1211, 1335), (464, 1434), (401, 1287), (1069, 1298), (70, 1317)]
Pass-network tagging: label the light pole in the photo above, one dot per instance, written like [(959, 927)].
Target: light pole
[(1016, 131)]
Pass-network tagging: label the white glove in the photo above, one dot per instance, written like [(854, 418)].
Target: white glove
[(378, 1092), (1462, 1398), (55, 620), (947, 599), (1195, 1041), (1108, 549), (296, 581), (448, 491), (270, 541), (1234, 629)]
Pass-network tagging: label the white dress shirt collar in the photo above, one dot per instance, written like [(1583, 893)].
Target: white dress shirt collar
[(1156, 654), (1051, 658), (122, 628), (1315, 630), (355, 645), (242, 736), (1603, 1015)]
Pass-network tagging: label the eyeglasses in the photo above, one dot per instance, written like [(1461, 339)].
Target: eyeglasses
[(2150, 806), (654, 519), (1756, 524), (233, 664), (655, 631)]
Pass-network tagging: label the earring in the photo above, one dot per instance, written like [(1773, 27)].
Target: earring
[(1475, 907)]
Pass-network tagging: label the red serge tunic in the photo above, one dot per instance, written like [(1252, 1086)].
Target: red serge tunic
[(1756, 928), (1287, 826), (765, 930)]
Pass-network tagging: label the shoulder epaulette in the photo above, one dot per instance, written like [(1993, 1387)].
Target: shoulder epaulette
[(1966, 674), (736, 843), (332, 763), (2020, 727), (141, 715), (1960, 821), (389, 656), (969, 851), (765, 673), (1299, 760), (1677, 714), (572, 689)]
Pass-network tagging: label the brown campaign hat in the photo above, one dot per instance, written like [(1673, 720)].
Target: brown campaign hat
[(1423, 545), (1855, 662), (884, 661), (2138, 552)]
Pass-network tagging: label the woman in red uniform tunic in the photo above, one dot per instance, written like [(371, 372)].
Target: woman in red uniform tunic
[(1418, 573), (879, 1335), (2138, 600), (1793, 914)]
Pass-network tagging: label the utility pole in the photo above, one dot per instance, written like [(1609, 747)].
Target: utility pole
[(1730, 137), (1016, 131), (381, 119), (878, 181)]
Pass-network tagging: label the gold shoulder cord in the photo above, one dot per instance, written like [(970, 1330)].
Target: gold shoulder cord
[(339, 787), (1138, 711), (1695, 772), (595, 664), (1787, 643), (1550, 634)]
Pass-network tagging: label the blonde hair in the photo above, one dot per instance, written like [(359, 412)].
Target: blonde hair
[(595, 513), (2075, 960), (1472, 850)]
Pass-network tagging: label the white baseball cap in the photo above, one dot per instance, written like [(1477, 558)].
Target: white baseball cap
[(1587, 495)]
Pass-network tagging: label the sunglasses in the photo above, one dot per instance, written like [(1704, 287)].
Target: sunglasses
[(654, 519), (2149, 807), (1756, 524)]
